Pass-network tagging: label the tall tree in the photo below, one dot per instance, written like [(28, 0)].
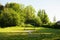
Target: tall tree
[(43, 16), (29, 11), (18, 8), (30, 15), (39, 13)]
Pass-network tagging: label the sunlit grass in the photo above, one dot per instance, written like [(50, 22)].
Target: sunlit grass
[(19, 29)]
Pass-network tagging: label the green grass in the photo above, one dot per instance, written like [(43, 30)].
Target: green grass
[(19, 29), (38, 33)]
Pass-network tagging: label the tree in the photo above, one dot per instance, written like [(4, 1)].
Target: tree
[(9, 17), (54, 19), (1, 8), (30, 16), (15, 6), (43, 16), (29, 12), (18, 8), (37, 22), (39, 13)]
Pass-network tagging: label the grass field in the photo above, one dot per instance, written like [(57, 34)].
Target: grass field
[(29, 33)]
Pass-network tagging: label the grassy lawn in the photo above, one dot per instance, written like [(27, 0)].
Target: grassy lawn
[(29, 33)]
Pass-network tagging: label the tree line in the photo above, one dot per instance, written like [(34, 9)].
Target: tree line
[(14, 14)]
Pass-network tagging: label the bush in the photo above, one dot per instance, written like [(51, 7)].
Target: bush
[(9, 17)]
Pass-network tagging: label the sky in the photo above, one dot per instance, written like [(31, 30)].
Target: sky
[(52, 7)]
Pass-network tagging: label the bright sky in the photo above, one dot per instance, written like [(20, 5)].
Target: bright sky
[(52, 7)]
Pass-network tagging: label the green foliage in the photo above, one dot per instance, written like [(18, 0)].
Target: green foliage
[(18, 8), (9, 17), (43, 16), (39, 13), (35, 22), (15, 6), (46, 18), (13, 14), (1, 8), (29, 12), (30, 16)]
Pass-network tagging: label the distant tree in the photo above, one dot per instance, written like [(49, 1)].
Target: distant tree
[(54, 19), (9, 17)]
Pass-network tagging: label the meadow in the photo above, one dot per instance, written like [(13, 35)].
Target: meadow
[(20, 22), (29, 33)]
